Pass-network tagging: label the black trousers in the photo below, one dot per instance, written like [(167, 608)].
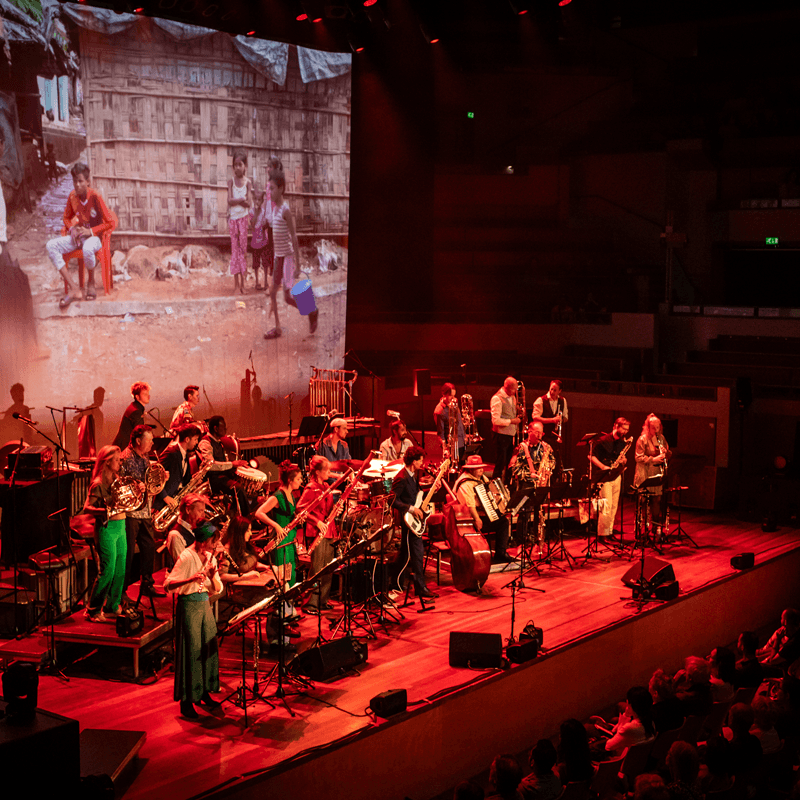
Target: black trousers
[(141, 532), (505, 448), (501, 528), (414, 561)]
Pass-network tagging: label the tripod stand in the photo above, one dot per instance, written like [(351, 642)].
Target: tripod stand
[(559, 494), (679, 533)]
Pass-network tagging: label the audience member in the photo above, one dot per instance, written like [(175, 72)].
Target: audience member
[(504, 777), (693, 688), (574, 758), (722, 663), (542, 783), (715, 774), (786, 708), (763, 727), (650, 786), (667, 709), (783, 647), (468, 790), (635, 726), (748, 668), (683, 764), (745, 748)]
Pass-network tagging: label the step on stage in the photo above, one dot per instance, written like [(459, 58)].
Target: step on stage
[(598, 645)]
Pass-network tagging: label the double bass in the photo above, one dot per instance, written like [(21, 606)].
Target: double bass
[(470, 556)]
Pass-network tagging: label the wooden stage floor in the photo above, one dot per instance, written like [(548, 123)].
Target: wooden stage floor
[(181, 759)]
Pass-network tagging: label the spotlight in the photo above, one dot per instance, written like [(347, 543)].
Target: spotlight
[(519, 6), (430, 36), (355, 42), (564, 2), (368, 3)]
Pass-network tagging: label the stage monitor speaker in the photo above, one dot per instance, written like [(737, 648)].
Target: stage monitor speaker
[(667, 591), (422, 382), (744, 561), (524, 650), (477, 650), (330, 659), (385, 704), (656, 572)]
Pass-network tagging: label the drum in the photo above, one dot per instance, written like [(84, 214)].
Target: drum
[(361, 493), (251, 480)]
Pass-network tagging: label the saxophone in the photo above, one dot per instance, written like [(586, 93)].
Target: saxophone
[(165, 518), (452, 429)]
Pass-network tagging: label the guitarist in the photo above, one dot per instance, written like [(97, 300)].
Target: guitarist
[(608, 449), (405, 488), (319, 470)]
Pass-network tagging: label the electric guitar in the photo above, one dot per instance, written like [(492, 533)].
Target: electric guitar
[(417, 525)]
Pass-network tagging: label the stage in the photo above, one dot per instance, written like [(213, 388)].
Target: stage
[(597, 643)]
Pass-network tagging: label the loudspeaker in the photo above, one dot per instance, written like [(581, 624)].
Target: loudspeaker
[(130, 621), (385, 704), (21, 691), (668, 591), (656, 572), (422, 382), (330, 659), (744, 561), (477, 650), (525, 650)]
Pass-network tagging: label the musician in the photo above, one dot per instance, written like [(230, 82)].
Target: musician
[(278, 511), (134, 414), (652, 452), (470, 477), (181, 535), (221, 475), (505, 419), (526, 467), (551, 410), (184, 413), (405, 488), (193, 577), (110, 537), (176, 461), (398, 442), (139, 523), (319, 469), (333, 446), (441, 419), (607, 449)]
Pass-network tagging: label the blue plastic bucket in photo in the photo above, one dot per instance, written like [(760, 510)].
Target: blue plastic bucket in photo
[(303, 295)]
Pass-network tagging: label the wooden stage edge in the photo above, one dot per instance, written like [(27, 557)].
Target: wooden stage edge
[(425, 751)]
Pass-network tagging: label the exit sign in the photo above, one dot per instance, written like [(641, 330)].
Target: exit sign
[(772, 240)]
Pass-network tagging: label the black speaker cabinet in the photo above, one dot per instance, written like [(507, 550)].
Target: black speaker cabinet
[(388, 703), (524, 650), (744, 561), (331, 659), (478, 650), (656, 572)]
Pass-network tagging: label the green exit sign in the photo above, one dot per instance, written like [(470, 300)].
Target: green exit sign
[(772, 240), (470, 115)]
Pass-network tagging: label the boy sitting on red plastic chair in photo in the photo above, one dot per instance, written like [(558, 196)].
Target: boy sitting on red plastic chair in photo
[(86, 219)]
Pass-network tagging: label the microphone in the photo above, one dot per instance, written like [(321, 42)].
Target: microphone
[(19, 416), (390, 413), (333, 413)]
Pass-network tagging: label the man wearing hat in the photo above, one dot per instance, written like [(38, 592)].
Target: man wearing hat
[(333, 446), (470, 477)]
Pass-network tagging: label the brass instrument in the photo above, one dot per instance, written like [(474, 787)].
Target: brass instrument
[(155, 478), (166, 517), (471, 435), (126, 495), (451, 448), (521, 413)]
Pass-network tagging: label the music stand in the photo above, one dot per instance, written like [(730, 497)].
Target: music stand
[(559, 493), (347, 620), (518, 501), (680, 533), (312, 426)]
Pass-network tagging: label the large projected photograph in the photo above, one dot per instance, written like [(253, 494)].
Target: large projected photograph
[(187, 199)]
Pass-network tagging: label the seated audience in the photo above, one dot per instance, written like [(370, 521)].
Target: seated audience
[(667, 709), (786, 708), (650, 786), (504, 777), (693, 688), (716, 772), (542, 783), (745, 748), (635, 725), (722, 663), (763, 727), (748, 668), (468, 790), (683, 764), (574, 758), (783, 647)]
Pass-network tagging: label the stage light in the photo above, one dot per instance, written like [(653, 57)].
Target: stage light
[(430, 36), (139, 10), (519, 7), (302, 17), (368, 3), (356, 42), (564, 2), (251, 33)]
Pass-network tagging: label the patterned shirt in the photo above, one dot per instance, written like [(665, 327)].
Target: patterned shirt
[(521, 469)]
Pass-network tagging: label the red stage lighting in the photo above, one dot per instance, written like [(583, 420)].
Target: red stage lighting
[(138, 10), (302, 17), (370, 2), (564, 2), (251, 33)]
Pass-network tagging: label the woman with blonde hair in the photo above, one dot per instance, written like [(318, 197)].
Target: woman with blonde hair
[(652, 453), (110, 537)]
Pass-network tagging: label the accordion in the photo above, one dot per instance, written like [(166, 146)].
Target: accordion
[(493, 497)]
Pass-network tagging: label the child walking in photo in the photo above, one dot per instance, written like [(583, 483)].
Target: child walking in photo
[(240, 201), (261, 243)]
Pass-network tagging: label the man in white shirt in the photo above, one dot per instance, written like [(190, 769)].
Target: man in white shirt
[(551, 410), (398, 442), (505, 420)]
